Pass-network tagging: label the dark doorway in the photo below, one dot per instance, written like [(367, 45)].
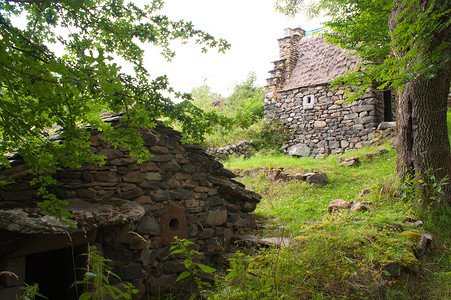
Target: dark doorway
[(388, 109), (54, 272)]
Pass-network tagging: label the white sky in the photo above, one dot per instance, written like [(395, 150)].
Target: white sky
[(252, 27)]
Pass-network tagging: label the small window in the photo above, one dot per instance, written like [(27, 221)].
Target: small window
[(308, 100)]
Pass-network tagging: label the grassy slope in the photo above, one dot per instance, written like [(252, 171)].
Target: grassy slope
[(295, 203), (342, 256)]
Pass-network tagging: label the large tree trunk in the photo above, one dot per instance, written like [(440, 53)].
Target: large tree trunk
[(423, 144)]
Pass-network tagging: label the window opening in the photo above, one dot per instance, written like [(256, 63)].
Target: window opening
[(308, 100)]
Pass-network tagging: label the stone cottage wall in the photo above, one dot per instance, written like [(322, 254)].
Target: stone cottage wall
[(320, 122), (130, 211)]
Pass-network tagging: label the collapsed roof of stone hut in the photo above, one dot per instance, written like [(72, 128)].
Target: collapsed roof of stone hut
[(131, 211)]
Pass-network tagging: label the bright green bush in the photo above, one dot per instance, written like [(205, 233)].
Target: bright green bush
[(245, 107)]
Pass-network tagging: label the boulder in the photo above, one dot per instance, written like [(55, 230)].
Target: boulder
[(386, 125), (317, 178), (359, 206), (299, 150), (351, 161), (338, 204)]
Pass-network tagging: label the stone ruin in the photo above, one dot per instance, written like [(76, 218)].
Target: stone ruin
[(129, 211), (243, 149)]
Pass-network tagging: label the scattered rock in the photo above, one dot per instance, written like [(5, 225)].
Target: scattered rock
[(391, 270), (376, 153), (359, 206), (339, 204), (276, 242), (351, 161), (364, 192), (409, 219), (418, 224), (424, 244), (273, 174), (266, 242), (386, 125), (249, 238), (317, 178)]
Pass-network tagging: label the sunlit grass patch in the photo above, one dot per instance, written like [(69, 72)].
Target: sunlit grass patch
[(296, 203)]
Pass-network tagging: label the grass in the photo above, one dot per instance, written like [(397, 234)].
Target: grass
[(297, 203), (343, 255)]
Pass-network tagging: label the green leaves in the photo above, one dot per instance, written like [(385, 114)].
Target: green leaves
[(96, 279), (419, 39), (61, 70), (181, 247)]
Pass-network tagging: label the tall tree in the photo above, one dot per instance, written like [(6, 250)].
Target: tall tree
[(60, 68), (404, 45), (421, 35)]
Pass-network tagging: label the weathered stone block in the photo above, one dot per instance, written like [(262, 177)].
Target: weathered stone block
[(118, 253), (216, 217), (143, 200), (189, 168), (159, 149), (129, 272), (110, 153), (207, 233), (134, 177), (106, 177), (179, 194), (214, 201), (146, 257), (148, 225), (132, 194), (123, 161), (88, 193), (149, 166), (153, 176), (171, 166), (299, 150), (162, 158)]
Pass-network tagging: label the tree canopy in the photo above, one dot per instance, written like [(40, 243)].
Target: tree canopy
[(404, 45), (61, 67), (363, 26)]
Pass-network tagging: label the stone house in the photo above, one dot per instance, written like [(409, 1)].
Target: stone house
[(318, 118), (129, 211)]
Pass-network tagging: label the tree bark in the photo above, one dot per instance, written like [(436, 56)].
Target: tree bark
[(423, 144)]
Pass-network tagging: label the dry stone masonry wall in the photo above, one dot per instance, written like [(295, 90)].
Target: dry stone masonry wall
[(317, 117), (240, 149), (327, 124), (130, 211)]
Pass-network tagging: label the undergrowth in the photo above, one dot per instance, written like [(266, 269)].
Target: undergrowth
[(346, 255)]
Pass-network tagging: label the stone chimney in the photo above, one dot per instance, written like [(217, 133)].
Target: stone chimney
[(288, 49), (288, 52)]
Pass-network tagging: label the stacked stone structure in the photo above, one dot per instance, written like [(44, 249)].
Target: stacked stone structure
[(130, 211), (319, 119), (240, 149)]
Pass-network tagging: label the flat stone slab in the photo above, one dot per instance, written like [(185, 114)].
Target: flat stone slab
[(267, 242), (86, 214)]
